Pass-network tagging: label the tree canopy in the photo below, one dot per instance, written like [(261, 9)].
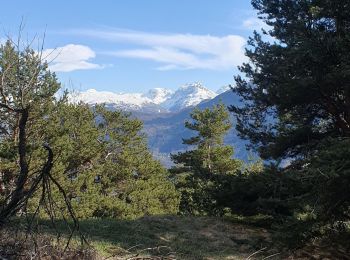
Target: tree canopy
[(296, 87)]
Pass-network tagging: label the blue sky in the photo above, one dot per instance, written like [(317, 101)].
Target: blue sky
[(135, 45)]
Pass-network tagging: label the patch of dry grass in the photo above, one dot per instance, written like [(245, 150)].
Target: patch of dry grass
[(176, 237), (157, 237), (17, 244)]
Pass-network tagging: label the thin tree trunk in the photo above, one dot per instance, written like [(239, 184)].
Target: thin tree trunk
[(18, 193)]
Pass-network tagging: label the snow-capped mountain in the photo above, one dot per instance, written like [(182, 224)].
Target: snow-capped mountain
[(187, 96), (155, 100)]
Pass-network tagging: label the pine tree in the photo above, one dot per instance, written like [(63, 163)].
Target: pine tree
[(296, 105), (197, 170), (296, 89), (27, 90), (104, 164), (134, 184)]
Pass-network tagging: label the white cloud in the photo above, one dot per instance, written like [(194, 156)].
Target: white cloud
[(69, 58), (178, 51), (254, 24)]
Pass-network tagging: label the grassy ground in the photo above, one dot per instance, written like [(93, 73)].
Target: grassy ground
[(165, 237), (175, 237)]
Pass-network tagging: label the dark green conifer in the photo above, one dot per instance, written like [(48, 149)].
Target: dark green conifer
[(198, 170)]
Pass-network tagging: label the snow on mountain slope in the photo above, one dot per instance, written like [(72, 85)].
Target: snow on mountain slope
[(157, 100), (187, 96), (93, 97), (158, 95)]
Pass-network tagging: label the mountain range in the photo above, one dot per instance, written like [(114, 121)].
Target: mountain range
[(157, 100), (164, 113)]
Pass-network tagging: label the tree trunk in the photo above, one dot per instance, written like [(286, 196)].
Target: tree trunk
[(18, 194)]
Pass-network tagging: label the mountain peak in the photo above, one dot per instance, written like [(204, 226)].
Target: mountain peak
[(188, 95), (194, 85)]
